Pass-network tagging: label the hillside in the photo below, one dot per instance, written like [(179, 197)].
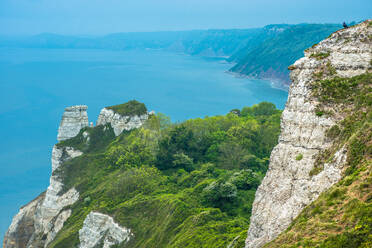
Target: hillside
[(276, 48), (166, 185), (209, 43)]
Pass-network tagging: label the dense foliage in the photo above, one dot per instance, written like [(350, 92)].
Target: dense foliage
[(130, 108), (190, 184)]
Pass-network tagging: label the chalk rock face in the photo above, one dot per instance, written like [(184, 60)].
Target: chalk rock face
[(101, 229), (119, 122), (22, 227), (54, 201), (288, 187), (37, 223), (74, 118)]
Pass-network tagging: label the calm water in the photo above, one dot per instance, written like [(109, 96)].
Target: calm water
[(36, 85)]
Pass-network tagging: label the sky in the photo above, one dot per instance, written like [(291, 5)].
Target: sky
[(95, 17)]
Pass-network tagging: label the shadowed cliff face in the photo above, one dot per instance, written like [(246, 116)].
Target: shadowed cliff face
[(290, 184)]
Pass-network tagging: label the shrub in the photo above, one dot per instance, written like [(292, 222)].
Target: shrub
[(333, 132), (245, 179), (320, 56), (216, 193), (299, 157)]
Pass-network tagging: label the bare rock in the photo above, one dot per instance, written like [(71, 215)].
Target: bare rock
[(101, 229), (119, 122), (74, 118)]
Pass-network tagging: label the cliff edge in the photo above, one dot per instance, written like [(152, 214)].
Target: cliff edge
[(297, 175), (37, 223)]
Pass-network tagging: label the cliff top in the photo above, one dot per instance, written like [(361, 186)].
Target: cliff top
[(76, 107), (130, 108)]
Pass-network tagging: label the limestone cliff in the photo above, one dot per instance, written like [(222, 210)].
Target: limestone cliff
[(289, 184), (101, 229), (126, 116), (120, 122), (74, 118), (39, 221)]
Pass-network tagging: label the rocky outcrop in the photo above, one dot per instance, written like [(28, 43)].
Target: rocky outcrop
[(37, 223), (100, 229), (23, 225), (74, 118), (288, 186), (49, 218), (120, 122)]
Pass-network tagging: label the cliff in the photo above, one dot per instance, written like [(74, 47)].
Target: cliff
[(38, 222), (122, 117), (309, 159), (74, 118)]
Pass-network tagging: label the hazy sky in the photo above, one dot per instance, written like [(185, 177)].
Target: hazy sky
[(108, 16)]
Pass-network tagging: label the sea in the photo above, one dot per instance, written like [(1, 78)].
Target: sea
[(37, 84)]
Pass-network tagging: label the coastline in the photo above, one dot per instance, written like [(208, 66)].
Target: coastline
[(274, 82)]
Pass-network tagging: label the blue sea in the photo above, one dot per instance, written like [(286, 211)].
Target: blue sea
[(37, 84)]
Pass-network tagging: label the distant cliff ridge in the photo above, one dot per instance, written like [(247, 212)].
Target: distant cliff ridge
[(279, 47), (259, 53)]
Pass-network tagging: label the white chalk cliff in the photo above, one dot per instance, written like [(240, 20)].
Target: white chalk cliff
[(44, 216), (101, 229), (288, 186), (38, 222), (73, 120), (120, 122)]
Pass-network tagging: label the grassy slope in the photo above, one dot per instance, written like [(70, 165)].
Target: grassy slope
[(341, 216), (196, 199)]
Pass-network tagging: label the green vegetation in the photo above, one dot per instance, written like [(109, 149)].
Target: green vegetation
[(299, 157), (276, 50), (130, 108), (90, 139), (190, 184), (342, 216), (353, 90), (320, 56)]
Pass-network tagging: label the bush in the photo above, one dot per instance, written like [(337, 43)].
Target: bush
[(245, 179), (217, 193), (263, 108), (299, 157)]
